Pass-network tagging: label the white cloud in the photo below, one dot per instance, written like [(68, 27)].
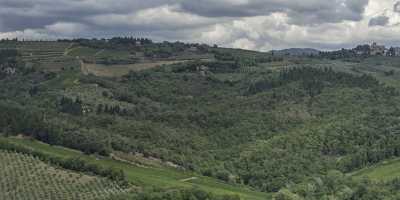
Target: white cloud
[(163, 17), (66, 28), (244, 43), (28, 34)]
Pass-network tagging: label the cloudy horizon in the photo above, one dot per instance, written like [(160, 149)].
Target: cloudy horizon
[(248, 24)]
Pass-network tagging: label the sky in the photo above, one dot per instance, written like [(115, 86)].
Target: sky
[(249, 24)]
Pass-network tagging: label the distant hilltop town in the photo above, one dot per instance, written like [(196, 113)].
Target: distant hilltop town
[(362, 51), (377, 50)]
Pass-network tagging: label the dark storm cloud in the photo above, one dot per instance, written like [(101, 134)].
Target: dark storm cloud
[(379, 21), (16, 4), (304, 12), (12, 23), (23, 14)]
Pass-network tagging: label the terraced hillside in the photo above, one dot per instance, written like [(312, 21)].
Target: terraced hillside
[(48, 55), (32, 51), (24, 177), (117, 63)]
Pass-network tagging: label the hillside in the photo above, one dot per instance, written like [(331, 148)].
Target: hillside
[(245, 124), (26, 177), (386, 170), (138, 175)]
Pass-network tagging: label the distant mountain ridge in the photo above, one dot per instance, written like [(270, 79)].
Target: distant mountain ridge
[(296, 51)]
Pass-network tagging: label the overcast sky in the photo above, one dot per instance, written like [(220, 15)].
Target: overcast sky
[(249, 24)]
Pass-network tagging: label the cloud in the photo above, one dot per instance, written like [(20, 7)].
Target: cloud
[(379, 21), (250, 24), (31, 34), (304, 12), (24, 14), (66, 28), (396, 7), (159, 18), (244, 43)]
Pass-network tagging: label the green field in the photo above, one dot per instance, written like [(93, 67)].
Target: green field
[(384, 171), (146, 176)]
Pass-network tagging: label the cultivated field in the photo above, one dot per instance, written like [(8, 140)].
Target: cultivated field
[(24, 177), (48, 56), (41, 51), (147, 176)]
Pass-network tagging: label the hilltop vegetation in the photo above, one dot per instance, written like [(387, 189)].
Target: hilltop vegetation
[(270, 122)]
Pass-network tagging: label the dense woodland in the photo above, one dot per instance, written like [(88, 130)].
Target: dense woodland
[(276, 131)]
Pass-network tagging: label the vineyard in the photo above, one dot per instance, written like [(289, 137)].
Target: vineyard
[(49, 56), (24, 177), (141, 177)]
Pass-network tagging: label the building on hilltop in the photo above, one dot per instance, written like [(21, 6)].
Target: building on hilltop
[(393, 51), (377, 50)]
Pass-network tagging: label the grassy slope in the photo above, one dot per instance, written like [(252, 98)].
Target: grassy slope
[(156, 177), (384, 171)]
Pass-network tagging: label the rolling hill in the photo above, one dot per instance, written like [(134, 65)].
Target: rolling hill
[(207, 123)]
